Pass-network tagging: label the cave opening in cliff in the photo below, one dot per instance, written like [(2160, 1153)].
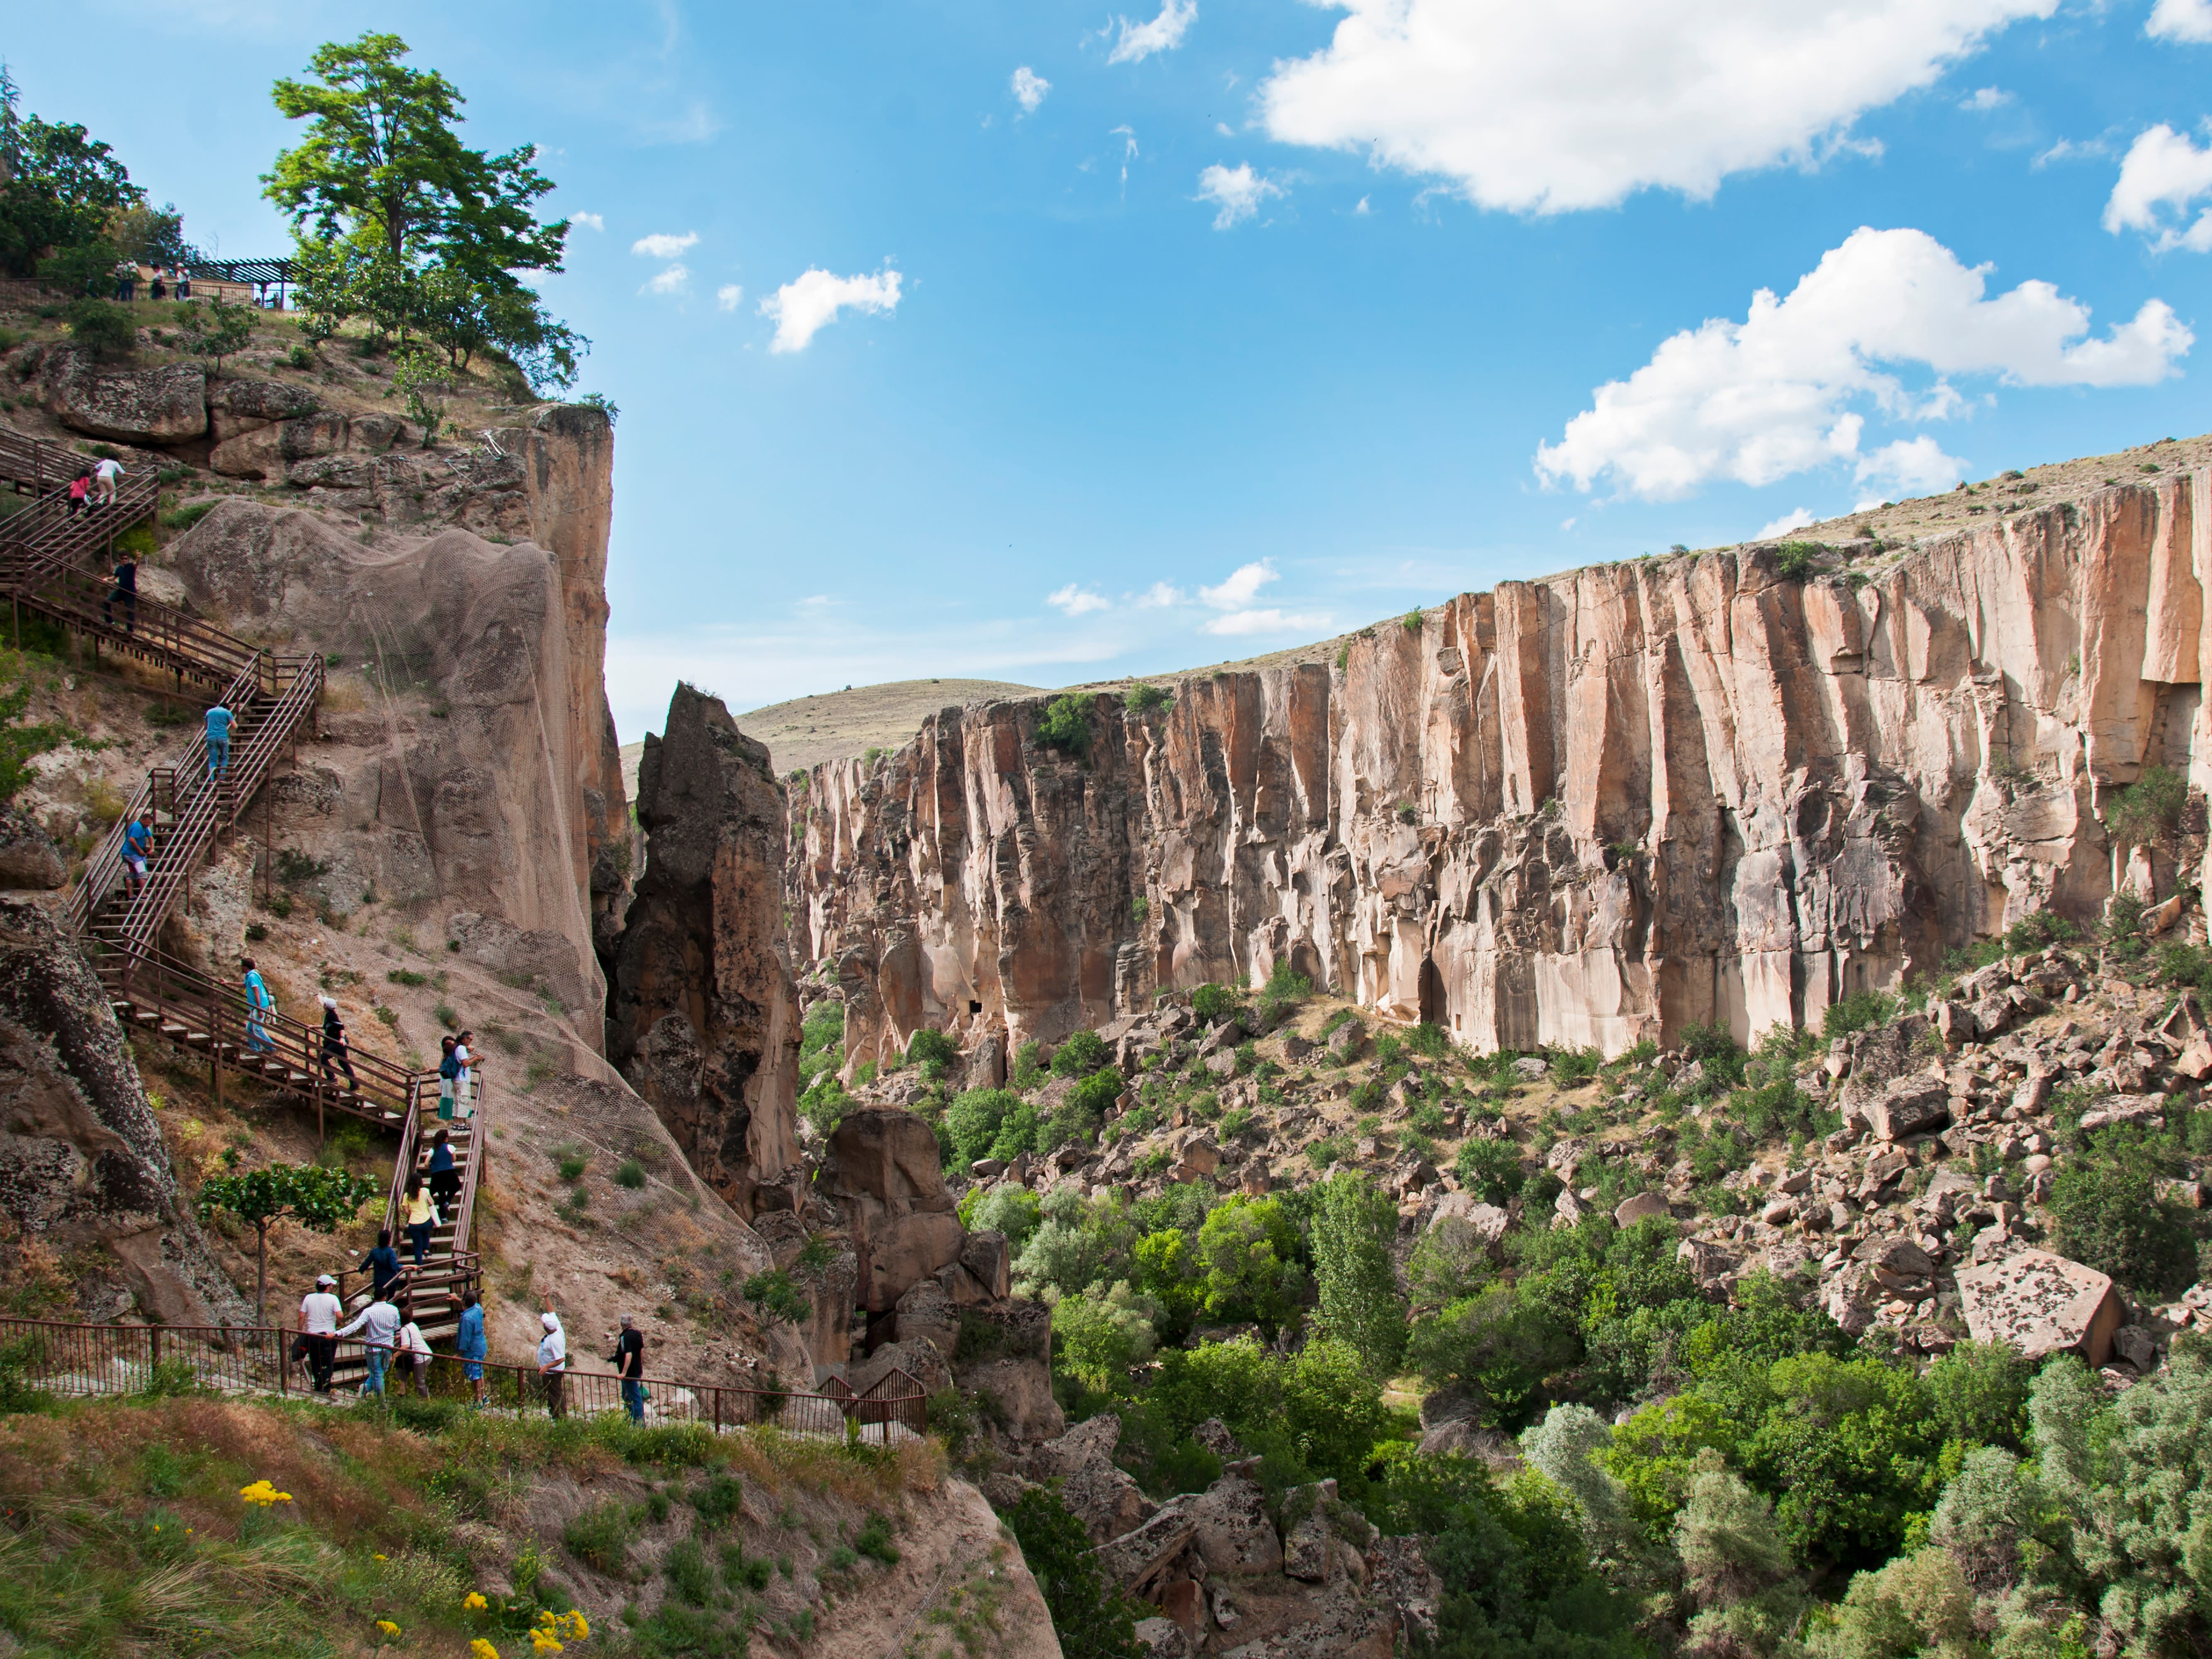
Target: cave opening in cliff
[(1433, 993)]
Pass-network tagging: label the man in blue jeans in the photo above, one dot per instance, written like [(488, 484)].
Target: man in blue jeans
[(628, 1361), (218, 741), (258, 1001), (469, 1342), (379, 1325)]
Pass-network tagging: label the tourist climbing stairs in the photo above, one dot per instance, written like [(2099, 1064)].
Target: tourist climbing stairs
[(56, 562)]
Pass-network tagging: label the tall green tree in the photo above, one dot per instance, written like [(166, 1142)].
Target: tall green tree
[(1353, 1224), (59, 187), (319, 1200), (400, 220)]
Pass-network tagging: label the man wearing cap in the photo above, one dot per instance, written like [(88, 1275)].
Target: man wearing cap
[(553, 1360), (319, 1313), (628, 1361)]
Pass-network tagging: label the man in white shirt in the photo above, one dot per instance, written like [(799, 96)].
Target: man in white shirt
[(378, 1324), (553, 1360), (319, 1313)]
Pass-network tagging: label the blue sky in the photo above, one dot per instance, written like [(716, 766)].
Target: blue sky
[(1099, 343)]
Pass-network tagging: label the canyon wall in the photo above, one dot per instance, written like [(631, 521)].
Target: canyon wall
[(1587, 810)]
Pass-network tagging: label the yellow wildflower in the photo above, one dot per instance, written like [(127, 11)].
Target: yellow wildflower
[(540, 1642), (474, 1602), (481, 1649), (578, 1629), (387, 1627), (379, 1558), (262, 1494)]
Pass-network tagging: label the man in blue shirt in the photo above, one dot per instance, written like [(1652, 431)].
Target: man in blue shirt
[(469, 1342), (137, 847), (218, 741)]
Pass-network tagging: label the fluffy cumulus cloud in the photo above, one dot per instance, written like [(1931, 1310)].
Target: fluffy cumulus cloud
[(1797, 518), (1984, 100), (1030, 88), (661, 244), (2161, 178), (1233, 596), (2181, 19), (1138, 41), (727, 296), (672, 279), (1076, 600), (1235, 192), (587, 220), (802, 308), (1782, 391), (1545, 109)]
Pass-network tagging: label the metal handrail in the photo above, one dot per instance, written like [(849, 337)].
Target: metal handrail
[(48, 537), (178, 641)]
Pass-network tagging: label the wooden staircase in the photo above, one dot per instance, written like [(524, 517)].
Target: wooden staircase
[(50, 567)]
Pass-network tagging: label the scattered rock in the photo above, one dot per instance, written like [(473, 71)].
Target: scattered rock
[(2042, 1304)]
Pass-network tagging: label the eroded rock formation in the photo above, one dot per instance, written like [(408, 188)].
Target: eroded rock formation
[(704, 1022), (1586, 810), (82, 1165)]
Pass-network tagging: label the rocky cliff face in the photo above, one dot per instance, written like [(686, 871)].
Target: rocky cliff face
[(1586, 810), (703, 1022), (84, 1171)]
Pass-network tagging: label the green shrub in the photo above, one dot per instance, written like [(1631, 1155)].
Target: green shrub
[(874, 1540), (1861, 1011), (1080, 1055), (974, 1121), (629, 1173), (1794, 560), (778, 1298), (933, 1051), (1491, 1169), (1573, 1067), (600, 1536), (2149, 809), (1411, 620), (690, 1578), (1091, 1617), (1065, 725), (2106, 1203), (1213, 1003), (1141, 699), (1028, 1069)]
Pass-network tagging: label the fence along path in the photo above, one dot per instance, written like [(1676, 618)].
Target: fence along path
[(111, 1361), (187, 807)]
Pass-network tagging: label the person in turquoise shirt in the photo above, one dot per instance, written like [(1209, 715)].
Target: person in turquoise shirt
[(218, 741), (137, 847), (257, 999), (469, 1342)]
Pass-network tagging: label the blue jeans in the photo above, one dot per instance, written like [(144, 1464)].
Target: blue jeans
[(257, 1039), (376, 1356), (418, 1234), (218, 755), (634, 1399)]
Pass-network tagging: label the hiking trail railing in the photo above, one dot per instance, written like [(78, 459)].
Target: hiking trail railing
[(120, 1361)]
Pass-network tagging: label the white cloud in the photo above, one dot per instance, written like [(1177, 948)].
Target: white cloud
[(1545, 109), (1075, 600), (662, 246), (1030, 88), (1911, 466), (1985, 99), (727, 296), (1796, 519), (676, 279), (1270, 622), (802, 307), (1238, 191), (2181, 19), (588, 221), (1362, 208), (1163, 33), (2160, 176), (1159, 597), (1241, 587), (1758, 400)]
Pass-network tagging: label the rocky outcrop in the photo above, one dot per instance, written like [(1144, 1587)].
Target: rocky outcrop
[(2043, 1305), (883, 1176), (1588, 810), (29, 857), (704, 1022), (82, 1165), (163, 405)]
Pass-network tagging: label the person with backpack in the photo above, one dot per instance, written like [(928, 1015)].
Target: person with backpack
[(414, 1347), (445, 1179), (449, 1072), (218, 741), (628, 1361), (80, 493)]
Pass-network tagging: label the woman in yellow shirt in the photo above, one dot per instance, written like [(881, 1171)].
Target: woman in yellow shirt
[(419, 1214)]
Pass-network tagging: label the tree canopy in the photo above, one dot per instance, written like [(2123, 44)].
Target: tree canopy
[(60, 189)]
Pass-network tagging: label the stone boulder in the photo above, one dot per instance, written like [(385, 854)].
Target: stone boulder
[(2148, 1111), (1909, 1106), (163, 405), (985, 1254), (29, 857), (1234, 1534), (1103, 1498), (1642, 1207), (924, 1314), (1022, 1389), (987, 1065), (920, 1360), (1465, 1220), (1344, 1042), (83, 1169), (704, 946), (2043, 1305)]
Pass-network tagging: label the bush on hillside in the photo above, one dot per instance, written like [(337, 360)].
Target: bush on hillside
[(1065, 725)]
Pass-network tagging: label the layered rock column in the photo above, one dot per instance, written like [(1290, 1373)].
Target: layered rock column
[(704, 1022), (1588, 810)]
